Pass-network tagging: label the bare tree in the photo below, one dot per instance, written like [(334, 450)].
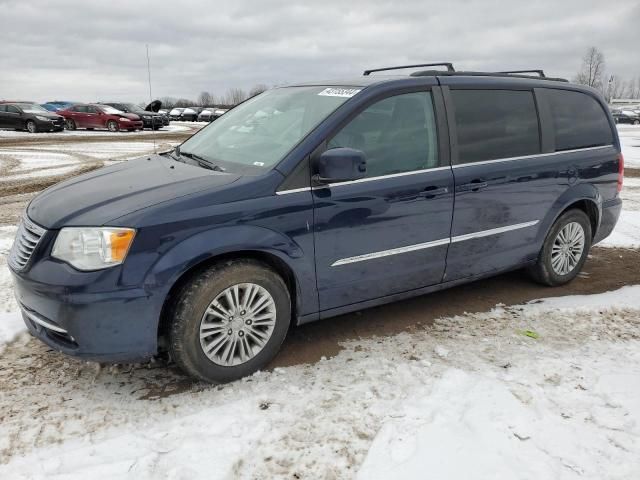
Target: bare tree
[(184, 102), (234, 96), (615, 88), (205, 99), (633, 88), (168, 102), (257, 89), (592, 69)]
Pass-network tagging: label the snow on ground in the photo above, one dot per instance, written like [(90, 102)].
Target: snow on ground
[(173, 127), (470, 397), (627, 231), (630, 139), (7, 300)]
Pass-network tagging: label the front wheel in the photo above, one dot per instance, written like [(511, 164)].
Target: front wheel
[(229, 321), (112, 126), (565, 249), (31, 126)]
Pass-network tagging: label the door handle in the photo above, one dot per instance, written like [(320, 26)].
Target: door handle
[(433, 191), (473, 186)]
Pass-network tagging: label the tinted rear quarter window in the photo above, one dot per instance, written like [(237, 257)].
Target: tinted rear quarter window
[(579, 120), (495, 124)]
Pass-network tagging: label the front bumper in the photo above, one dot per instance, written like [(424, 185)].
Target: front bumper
[(77, 313), (133, 125), (50, 125), (155, 121)]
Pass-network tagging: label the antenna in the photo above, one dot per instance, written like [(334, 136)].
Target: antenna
[(153, 130)]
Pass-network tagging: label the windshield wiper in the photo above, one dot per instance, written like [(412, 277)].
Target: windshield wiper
[(203, 162)]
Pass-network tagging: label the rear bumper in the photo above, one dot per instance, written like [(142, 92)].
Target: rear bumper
[(111, 326), (610, 213)]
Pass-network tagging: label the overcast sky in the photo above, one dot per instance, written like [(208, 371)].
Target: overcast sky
[(95, 50)]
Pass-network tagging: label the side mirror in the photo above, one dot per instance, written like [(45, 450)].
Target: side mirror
[(340, 165)]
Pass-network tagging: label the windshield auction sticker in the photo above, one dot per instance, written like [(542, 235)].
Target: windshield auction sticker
[(339, 92)]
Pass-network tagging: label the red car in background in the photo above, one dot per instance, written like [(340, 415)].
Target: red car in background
[(91, 116)]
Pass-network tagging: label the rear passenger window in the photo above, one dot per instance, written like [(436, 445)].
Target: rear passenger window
[(397, 134), (494, 124), (578, 120)]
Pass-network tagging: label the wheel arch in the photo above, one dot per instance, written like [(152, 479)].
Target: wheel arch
[(177, 265), (584, 197)]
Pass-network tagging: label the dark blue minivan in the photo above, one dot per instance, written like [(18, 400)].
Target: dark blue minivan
[(313, 200)]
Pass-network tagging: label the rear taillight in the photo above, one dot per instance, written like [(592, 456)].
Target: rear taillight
[(620, 171)]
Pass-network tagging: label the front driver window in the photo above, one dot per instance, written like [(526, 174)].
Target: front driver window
[(397, 134)]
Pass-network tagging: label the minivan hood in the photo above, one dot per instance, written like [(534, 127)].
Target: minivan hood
[(95, 198)]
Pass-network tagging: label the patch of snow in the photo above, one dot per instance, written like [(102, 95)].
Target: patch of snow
[(626, 233), (630, 140), (11, 325), (499, 405), (173, 127), (7, 300)]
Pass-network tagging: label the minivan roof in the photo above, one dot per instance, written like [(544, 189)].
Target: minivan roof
[(451, 78)]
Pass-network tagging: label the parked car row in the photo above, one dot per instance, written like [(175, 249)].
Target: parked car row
[(196, 114), (57, 115), (630, 115)]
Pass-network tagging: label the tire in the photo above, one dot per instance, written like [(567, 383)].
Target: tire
[(560, 261), (31, 126), (113, 126), (636, 122), (71, 124), (191, 318)]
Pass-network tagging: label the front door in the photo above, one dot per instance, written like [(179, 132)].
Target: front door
[(93, 118), (389, 232)]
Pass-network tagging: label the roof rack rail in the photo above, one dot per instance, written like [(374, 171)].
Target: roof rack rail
[(539, 72), (440, 64)]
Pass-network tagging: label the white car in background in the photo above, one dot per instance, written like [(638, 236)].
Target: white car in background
[(175, 113)]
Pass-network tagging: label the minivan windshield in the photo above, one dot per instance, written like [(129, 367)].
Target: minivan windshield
[(257, 134)]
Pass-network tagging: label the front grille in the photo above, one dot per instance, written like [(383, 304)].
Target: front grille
[(27, 238)]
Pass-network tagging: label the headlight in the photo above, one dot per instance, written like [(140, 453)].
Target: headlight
[(93, 248), (43, 119), (123, 119)]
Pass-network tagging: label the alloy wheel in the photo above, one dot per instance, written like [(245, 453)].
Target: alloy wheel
[(567, 248), (237, 324)]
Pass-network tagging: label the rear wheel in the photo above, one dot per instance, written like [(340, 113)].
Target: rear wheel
[(229, 321), (71, 125), (565, 249), (636, 122), (31, 126), (112, 126)]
